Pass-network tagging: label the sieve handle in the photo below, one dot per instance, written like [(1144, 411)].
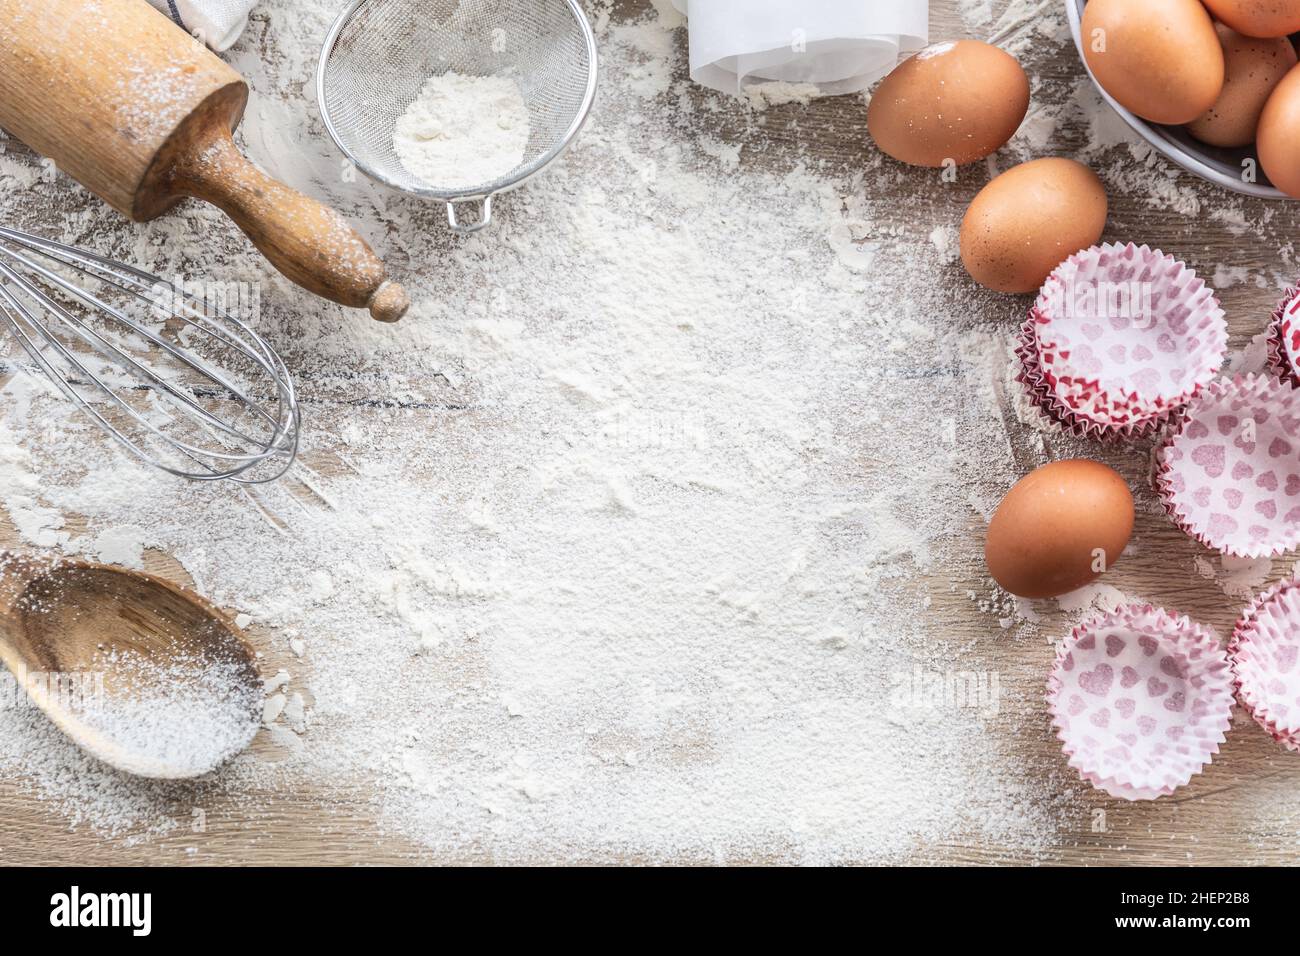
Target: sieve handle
[(464, 229), (307, 241)]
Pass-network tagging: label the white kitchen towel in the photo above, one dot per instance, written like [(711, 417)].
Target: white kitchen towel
[(218, 23), (840, 46)]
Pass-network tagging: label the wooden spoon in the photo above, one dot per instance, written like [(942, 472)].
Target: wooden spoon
[(117, 658)]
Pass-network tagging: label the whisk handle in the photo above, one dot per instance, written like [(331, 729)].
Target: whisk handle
[(307, 241)]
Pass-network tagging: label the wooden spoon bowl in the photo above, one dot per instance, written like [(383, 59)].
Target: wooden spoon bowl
[(117, 658)]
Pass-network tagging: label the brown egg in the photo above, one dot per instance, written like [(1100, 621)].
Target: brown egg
[(1059, 528), (1253, 68), (1161, 59), (1025, 222), (1279, 135), (952, 101), (1258, 18)]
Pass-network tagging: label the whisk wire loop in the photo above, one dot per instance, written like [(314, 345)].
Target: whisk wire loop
[(195, 414)]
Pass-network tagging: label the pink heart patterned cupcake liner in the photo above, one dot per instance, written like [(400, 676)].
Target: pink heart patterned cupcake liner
[(1119, 338), (1265, 654), (1141, 700), (1228, 470), (1039, 390), (1284, 339)]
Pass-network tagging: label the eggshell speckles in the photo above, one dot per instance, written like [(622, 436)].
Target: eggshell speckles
[(951, 102), (1258, 18), (1027, 221), (1160, 59), (1059, 528), (1254, 69), (1278, 139)]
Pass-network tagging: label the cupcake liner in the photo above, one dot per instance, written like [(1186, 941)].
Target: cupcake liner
[(1119, 338), (1040, 393), (1228, 470), (1284, 339), (1141, 700), (1127, 333), (1265, 654)]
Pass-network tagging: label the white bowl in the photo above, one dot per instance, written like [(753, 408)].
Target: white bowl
[(1221, 166)]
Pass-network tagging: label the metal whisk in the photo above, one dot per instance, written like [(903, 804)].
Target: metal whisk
[(380, 52), (181, 382)]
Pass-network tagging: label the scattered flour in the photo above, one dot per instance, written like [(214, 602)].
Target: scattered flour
[(1024, 24), (1240, 578), (618, 546), (1097, 596), (975, 13), (1227, 276), (463, 130), (777, 93), (937, 49), (118, 545), (946, 242)]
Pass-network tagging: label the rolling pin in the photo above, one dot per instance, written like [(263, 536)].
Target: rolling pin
[(141, 114)]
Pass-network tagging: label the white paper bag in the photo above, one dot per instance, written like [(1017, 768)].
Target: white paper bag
[(841, 46)]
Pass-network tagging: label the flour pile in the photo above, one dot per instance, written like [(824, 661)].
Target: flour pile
[(463, 130), (177, 717), (645, 536)]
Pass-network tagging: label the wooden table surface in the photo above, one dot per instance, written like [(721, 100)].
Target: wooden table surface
[(1243, 809)]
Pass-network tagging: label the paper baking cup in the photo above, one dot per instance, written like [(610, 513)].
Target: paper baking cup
[(1120, 337), (1284, 339), (1141, 700), (1228, 471), (1039, 390), (1036, 386), (1265, 655)]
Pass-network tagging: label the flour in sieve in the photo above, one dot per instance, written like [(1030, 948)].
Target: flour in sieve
[(463, 130)]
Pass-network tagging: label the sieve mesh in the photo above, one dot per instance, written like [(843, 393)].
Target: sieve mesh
[(380, 53)]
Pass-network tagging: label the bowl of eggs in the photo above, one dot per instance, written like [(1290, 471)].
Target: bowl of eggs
[(1213, 85)]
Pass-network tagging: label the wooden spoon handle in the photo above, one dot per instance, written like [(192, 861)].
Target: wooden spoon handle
[(307, 241)]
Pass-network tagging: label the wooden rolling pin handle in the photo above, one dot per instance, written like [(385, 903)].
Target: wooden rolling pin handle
[(307, 241)]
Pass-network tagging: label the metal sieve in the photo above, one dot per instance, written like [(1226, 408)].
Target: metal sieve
[(379, 53)]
